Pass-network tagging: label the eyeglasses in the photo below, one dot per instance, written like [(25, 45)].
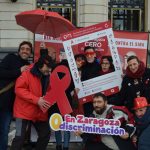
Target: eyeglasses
[(89, 54)]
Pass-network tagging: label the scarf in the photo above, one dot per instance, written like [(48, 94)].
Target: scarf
[(144, 122), (138, 74)]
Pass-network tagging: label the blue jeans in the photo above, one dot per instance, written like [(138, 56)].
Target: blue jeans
[(58, 136), (5, 120)]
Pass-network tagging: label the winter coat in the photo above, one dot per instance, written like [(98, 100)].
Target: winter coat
[(29, 88), (143, 131), (132, 88), (89, 71), (9, 72)]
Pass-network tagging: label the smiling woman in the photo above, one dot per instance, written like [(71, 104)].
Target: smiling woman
[(135, 83)]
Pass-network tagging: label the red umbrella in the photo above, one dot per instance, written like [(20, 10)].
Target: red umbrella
[(44, 22)]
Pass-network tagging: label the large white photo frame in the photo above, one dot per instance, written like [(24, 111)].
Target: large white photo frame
[(101, 83)]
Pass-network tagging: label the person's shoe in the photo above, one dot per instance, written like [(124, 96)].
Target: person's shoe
[(58, 147)]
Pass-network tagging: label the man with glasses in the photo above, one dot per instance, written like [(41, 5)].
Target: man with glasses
[(90, 70), (11, 68)]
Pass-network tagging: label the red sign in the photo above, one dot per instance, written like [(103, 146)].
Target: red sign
[(131, 43), (49, 43), (100, 45)]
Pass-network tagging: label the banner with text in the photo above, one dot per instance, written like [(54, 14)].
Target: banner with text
[(86, 124), (48, 42), (131, 43)]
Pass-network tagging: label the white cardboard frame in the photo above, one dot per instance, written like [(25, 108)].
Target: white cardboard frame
[(100, 83)]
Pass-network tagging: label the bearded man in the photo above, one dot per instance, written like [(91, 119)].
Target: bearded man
[(102, 110)]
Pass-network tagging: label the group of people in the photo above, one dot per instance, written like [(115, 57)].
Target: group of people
[(133, 95), (23, 86)]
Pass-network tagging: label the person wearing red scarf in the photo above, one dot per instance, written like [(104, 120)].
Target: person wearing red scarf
[(136, 82)]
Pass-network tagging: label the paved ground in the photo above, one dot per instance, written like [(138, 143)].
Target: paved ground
[(73, 146)]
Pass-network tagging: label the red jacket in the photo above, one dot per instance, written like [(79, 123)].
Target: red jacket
[(28, 91)]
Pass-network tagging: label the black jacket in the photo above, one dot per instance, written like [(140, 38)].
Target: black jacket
[(90, 70), (9, 71), (143, 130), (131, 88)]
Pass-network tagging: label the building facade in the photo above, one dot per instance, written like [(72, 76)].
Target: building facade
[(130, 15)]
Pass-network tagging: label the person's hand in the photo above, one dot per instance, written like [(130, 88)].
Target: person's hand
[(122, 76), (134, 139), (44, 105), (77, 90), (125, 136), (42, 45), (78, 133), (23, 68)]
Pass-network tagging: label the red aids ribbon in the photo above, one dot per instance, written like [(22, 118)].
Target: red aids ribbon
[(56, 92)]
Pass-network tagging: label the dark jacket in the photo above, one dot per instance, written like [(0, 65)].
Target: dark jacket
[(131, 88), (143, 131), (90, 70), (9, 71)]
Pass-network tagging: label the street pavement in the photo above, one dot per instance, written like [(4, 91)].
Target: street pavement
[(73, 146), (52, 146)]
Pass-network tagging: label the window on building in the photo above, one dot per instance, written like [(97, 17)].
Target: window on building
[(127, 14), (66, 8)]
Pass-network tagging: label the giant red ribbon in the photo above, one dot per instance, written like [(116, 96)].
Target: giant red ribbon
[(56, 92)]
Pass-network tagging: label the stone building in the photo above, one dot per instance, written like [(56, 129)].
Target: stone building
[(130, 15)]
